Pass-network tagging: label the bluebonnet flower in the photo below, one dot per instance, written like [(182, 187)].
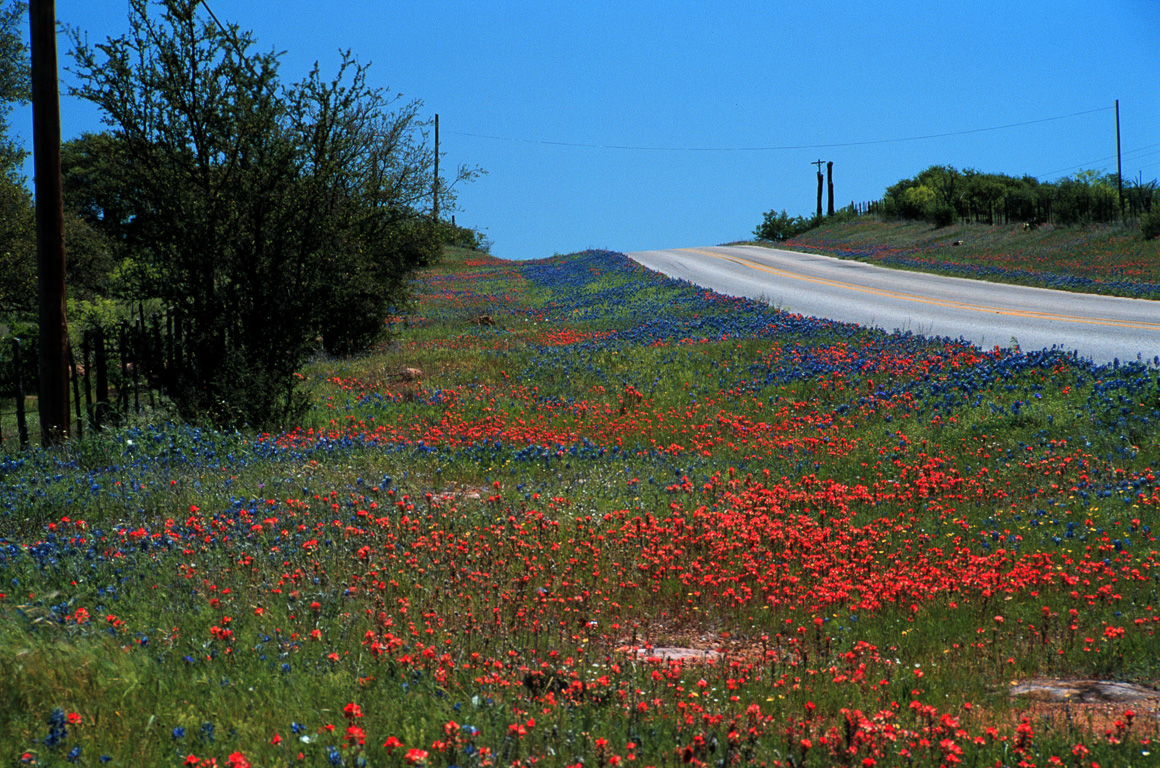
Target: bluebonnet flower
[(57, 732)]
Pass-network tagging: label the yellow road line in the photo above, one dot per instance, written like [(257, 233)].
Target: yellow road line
[(1146, 326)]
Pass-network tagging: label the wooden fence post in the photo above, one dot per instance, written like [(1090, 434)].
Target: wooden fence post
[(123, 389), (87, 359), (170, 343), (102, 404), (21, 421), (76, 394), (178, 357)]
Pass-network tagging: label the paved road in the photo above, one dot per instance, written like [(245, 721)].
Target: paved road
[(986, 314)]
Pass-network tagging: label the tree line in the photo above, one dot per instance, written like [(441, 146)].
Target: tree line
[(265, 220), (943, 195)]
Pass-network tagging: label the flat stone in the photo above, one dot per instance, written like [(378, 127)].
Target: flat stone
[(677, 654), (1089, 691)]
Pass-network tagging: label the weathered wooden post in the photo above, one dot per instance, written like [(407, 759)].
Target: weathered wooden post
[(21, 421), (86, 359), (72, 364), (830, 185), (102, 363), (178, 341), (169, 344), (123, 388)]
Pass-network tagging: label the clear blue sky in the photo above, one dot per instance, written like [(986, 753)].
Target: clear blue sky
[(638, 125)]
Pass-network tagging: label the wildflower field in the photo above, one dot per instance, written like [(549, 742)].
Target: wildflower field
[(615, 520)]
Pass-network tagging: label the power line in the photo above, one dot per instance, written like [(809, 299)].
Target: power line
[(1093, 163), (548, 142)]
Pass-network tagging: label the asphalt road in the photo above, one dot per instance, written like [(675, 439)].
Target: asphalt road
[(1101, 328)]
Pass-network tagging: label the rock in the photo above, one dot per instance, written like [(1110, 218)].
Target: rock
[(484, 320), (1089, 691), (410, 374), (676, 654)]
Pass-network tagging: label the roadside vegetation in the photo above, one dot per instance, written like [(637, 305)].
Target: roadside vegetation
[(537, 528), (1067, 235)]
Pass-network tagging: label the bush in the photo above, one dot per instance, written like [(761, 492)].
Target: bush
[(940, 214), (781, 226), (453, 235), (28, 331), (1150, 223), (913, 201)]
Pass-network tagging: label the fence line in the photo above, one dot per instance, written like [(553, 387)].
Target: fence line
[(1018, 210), (106, 378)]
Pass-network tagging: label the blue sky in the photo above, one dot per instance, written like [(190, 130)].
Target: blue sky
[(640, 125)]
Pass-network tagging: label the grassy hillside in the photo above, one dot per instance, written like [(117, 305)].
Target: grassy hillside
[(623, 521), (1110, 259)]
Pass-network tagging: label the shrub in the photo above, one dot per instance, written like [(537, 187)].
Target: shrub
[(776, 227), (1150, 223), (940, 214)]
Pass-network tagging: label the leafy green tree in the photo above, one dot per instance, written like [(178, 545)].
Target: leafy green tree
[(15, 82), (916, 201), (17, 248), (17, 221), (945, 181), (264, 216), (92, 177)]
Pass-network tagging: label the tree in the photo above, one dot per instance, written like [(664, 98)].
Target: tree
[(17, 224), (263, 216), (92, 176), (15, 80), (17, 248)]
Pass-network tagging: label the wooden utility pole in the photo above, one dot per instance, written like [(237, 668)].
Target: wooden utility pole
[(435, 187), (1119, 166), (820, 182), (53, 401), (830, 188)]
